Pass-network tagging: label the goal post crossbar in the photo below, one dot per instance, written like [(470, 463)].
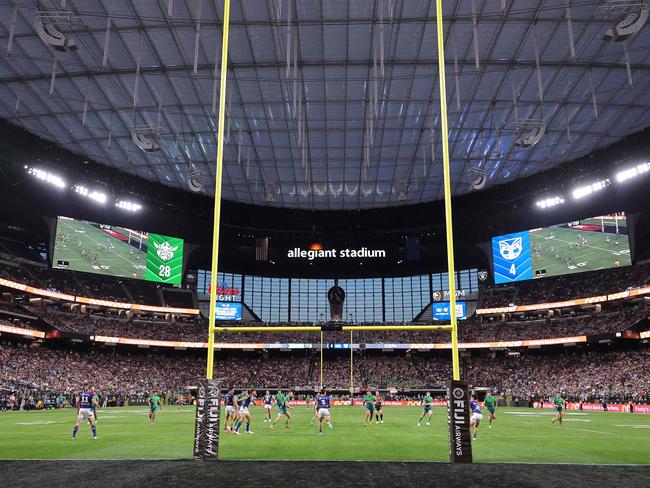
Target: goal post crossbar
[(318, 328)]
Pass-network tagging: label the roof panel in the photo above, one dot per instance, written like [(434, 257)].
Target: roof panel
[(364, 128)]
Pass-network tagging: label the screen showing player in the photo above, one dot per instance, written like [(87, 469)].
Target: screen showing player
[(117, 251), (573, 247)]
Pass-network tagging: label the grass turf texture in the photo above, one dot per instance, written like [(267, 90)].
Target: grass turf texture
[(116, 262), (518, 435), (598, 254)]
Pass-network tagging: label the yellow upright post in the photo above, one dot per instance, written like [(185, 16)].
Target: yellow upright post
[(321, 359), (445, 168), (351, 367), (217, 187)]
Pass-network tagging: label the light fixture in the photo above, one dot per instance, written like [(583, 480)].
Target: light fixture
[(46, 176), (550, 202), (633, 172), (129, 206), (583, 191), (95, 195)]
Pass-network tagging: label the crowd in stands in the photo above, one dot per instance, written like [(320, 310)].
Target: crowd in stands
[(113, 326), (581, 375), (472, 330), (566, 287), (570, 325), (93, 286)]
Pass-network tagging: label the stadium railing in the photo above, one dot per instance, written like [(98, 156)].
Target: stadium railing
[(94, 301)]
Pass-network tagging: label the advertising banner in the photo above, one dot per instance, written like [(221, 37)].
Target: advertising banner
[(227, 311), (8, 329), (460, 445), (597, 407), (206, 421), (441, 311)]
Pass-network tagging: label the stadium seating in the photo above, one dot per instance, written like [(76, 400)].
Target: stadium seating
[(616, 375), (566, 287)]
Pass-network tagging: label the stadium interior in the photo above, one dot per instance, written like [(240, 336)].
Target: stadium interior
[(333, 178)]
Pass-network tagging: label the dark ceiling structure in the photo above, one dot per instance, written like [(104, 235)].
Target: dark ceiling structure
[(331, 104)]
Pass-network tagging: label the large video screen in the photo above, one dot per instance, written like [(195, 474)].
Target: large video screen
[(441, 311), (117, 251), (573, 247)]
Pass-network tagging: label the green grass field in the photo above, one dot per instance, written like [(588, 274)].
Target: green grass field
[(601, 252), (121, 260), (519, 435)]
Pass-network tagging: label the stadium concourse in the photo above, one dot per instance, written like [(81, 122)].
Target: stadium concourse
[(369, 243)]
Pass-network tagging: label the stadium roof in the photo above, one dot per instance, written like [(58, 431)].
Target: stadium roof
[(332, 104)]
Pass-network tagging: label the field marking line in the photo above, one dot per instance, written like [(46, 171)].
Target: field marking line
[(590, 430)]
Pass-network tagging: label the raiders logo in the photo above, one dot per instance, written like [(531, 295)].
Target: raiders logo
[(482, 275)]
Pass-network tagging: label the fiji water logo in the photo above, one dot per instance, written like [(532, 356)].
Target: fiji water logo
[(510, 249), (165, 250)]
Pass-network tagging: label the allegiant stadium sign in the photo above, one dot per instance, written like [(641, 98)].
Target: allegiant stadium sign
[(311, 254)]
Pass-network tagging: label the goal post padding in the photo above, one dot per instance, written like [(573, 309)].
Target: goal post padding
[(206, 420), (460, 443)]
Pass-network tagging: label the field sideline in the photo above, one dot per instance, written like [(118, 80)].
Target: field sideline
[(519, 435)]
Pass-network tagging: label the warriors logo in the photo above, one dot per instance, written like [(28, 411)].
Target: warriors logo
[(510, 249), (165, 251)]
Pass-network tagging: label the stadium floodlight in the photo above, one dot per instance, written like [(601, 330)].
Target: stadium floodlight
[(633, 172), (99, 197), (129, 206), (583, 191), (95, 195), (82, 190), (46, 176), (550, 202)]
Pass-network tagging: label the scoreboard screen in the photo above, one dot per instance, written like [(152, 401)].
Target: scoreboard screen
[(111, 250), (573, 247)]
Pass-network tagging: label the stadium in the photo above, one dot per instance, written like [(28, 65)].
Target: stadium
[(378, 243)]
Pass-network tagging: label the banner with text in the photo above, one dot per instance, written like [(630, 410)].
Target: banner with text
[(206, 421), (460, 445)]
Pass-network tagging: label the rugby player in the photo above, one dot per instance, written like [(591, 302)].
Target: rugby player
[(268, 405), (282, 402), (369, 404), (559, 402), (491, 405), (323, 404), (379, 413), (231, 403), (244, 414), (154, 403), (85, 411), (427, 403), (477, 416)]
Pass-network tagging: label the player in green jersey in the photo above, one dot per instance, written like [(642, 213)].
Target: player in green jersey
[(559, 402), (491, 405), (154, 405), (427, 403), (369, 403), (282, 402)]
